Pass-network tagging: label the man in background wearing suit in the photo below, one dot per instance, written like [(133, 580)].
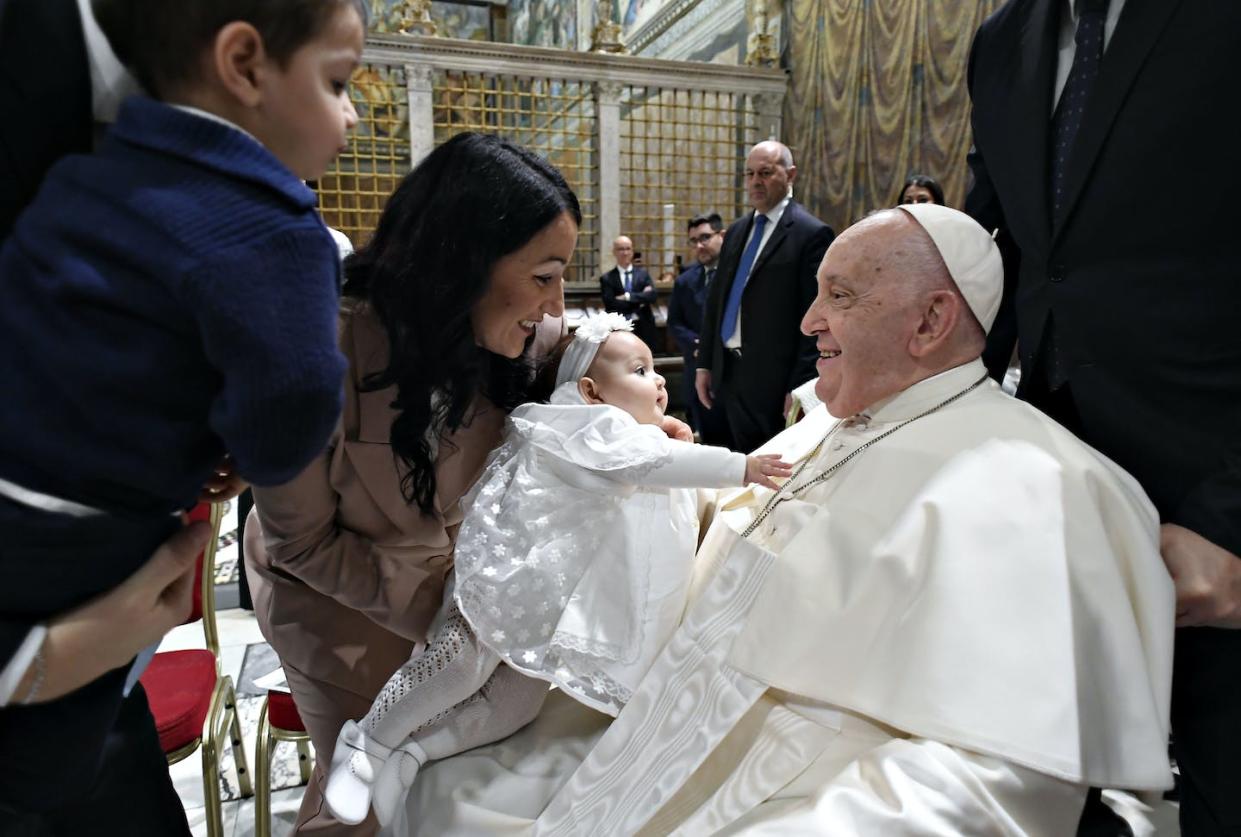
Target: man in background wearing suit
[(1102, 133), (685, 310), (751, 353), (628, 290)]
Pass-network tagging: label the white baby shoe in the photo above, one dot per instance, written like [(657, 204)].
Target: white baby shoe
[(395, 779), (356, 762)]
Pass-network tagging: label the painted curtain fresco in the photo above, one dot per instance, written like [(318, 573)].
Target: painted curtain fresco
[(878, 92), (452, 20), (547, 23)]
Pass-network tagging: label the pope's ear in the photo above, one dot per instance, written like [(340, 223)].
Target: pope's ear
[(589, 391), (939, 320)]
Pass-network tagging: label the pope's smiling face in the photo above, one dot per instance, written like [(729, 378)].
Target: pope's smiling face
[(863, 317)]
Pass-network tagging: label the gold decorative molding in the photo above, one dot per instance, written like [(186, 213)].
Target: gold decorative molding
[(415, 17)]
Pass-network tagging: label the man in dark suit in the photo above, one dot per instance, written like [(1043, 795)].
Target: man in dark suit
[(685, 310), (627, 289), (751, 353), (49, 109), (1103, 133)]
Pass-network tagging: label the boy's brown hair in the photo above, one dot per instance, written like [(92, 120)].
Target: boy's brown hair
[(160, 40)]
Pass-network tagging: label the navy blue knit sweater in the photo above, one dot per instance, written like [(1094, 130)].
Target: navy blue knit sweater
[(162, 301)]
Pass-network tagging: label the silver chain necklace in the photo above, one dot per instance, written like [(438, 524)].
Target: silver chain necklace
[(782, 495)]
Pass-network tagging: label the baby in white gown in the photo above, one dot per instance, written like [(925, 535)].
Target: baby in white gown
[(571, 568)]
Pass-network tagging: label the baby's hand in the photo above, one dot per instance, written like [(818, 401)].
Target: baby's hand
[(676, 429), (760, 469), (223, 484)]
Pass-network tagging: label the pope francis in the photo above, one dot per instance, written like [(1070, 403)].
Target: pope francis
[(953, 618)]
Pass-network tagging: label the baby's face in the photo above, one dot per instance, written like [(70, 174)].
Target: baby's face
[(625, 377)]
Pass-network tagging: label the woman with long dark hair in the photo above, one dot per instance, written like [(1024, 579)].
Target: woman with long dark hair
[(920, 188), (439, 315)]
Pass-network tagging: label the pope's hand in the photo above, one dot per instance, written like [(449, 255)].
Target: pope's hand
[(1207, 579), (676, 429), (761, 468)]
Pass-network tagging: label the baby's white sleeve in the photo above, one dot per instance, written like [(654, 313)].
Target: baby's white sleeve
[(687, 465)]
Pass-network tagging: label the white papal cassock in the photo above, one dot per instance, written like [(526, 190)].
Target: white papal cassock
[(958, 633)]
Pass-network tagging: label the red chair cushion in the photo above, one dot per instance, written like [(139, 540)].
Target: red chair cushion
[(201, 511), (179, 686), (282, 712)]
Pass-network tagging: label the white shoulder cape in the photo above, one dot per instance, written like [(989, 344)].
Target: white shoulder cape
[(984, 579)]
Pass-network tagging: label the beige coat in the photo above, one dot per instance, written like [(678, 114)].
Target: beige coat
[(345, 574)]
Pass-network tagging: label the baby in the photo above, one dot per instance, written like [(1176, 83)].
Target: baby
[(571, 568)]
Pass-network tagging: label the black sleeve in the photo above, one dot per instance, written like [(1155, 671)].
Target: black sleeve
[(982, 203), (713, 309), (644, 288), (807, 289), (608, 290)]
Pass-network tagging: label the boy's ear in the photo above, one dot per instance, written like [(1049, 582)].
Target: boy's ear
[(589, 391), (238, 59)]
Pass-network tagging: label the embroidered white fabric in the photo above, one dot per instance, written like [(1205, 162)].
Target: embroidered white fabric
[(562, 534), (452, 668)]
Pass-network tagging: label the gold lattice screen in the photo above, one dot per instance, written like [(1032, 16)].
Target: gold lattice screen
[(353, 192), (553, 117), (684, 148), (677, 146)]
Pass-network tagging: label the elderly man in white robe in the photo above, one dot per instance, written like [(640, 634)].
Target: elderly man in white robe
[(953, 619)]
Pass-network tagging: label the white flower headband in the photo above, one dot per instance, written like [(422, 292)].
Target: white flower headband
[(581, 351)]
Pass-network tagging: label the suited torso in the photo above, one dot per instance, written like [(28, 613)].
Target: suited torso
[(1137, 273), (780, 289), (45, 106), (689, 297)]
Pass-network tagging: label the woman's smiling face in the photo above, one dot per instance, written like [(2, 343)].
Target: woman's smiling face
[(525, 285)]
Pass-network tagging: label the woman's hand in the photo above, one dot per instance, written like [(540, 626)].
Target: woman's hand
[(676, 429), (760, 469), (224, 484)]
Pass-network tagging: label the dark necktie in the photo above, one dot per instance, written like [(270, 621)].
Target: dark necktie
[(1091, 16), (628, 281)]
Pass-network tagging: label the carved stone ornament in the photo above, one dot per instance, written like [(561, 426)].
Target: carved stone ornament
[(415, 17), (606, 36), (609, 92), (761, 47)]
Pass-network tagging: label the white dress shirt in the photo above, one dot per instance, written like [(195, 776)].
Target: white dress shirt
[(110, 82), (733, 341)]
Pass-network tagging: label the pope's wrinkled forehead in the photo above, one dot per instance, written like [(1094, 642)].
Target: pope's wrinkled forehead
[(886, 247)]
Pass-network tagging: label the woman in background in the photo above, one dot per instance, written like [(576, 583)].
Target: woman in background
[(921, 189)]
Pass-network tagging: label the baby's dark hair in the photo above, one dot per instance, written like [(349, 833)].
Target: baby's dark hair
[(160, 41)]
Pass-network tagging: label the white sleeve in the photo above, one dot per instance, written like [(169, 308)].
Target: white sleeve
[(922, 788), (687, 465)]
